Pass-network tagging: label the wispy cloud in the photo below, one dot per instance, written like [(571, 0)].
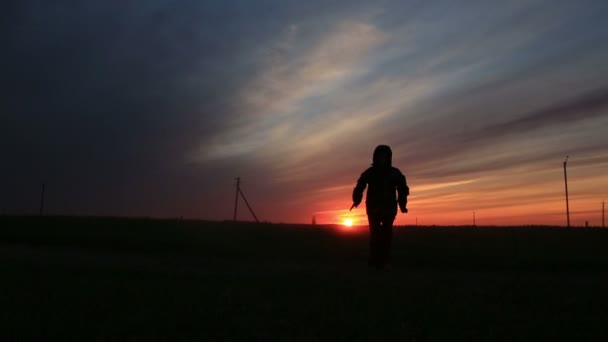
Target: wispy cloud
[(276, 104)]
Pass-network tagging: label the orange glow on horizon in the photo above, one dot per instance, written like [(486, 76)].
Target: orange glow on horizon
[(526, 197), (348, 222)]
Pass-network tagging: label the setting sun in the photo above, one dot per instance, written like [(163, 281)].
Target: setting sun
[(348, 222)]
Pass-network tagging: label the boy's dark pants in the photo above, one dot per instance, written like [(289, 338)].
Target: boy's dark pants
[(381, 234)]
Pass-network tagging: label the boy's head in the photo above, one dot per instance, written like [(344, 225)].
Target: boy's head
[(382, 156)]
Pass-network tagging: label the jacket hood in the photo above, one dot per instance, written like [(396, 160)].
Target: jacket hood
[(382, 152)]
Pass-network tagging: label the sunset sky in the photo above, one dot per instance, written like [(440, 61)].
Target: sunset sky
[(152, 108)]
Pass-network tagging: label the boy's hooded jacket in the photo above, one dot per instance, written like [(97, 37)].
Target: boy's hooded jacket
[(384, 181)]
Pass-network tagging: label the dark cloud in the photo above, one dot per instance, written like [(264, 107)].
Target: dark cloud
[(587, 106), (449, 146), (97, 98)]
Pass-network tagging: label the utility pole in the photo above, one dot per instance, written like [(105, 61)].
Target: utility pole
[(602, 214), (42, 199), (236, 197), (566, 182), (474, 223)]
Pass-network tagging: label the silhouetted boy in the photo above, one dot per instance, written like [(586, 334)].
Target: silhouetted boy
[(387, 189)]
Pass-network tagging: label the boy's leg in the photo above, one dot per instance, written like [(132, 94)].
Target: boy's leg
[(374, 240), (386, 237)]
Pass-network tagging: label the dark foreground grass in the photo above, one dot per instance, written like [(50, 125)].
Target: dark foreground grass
[(138, 279)]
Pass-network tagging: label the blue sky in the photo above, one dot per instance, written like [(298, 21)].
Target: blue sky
[(151, 108)]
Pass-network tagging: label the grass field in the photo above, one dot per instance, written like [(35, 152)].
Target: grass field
[(91, 279)]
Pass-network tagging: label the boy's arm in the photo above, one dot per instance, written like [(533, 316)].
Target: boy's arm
[(359, 188), (402, 192)]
